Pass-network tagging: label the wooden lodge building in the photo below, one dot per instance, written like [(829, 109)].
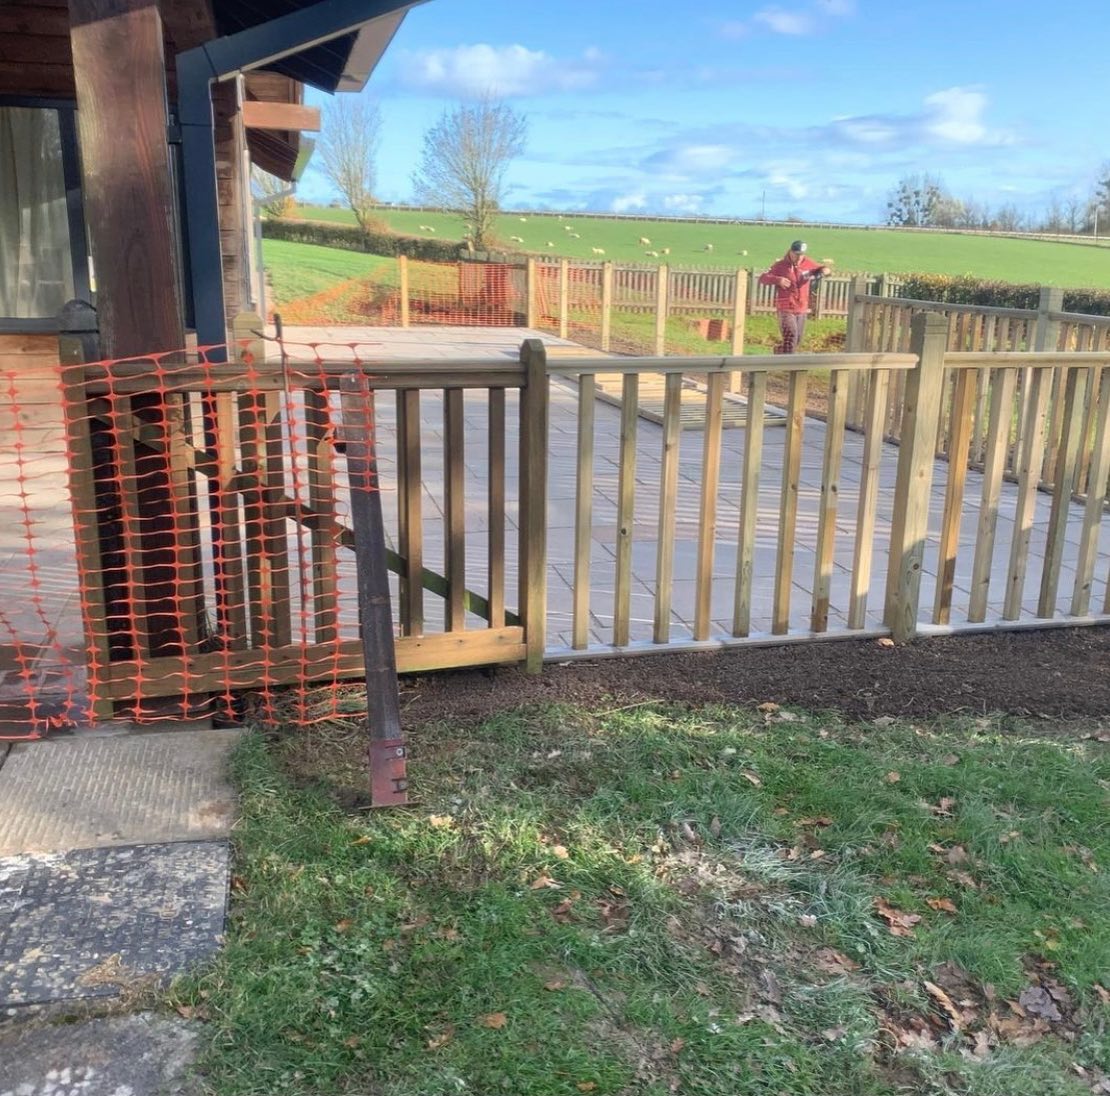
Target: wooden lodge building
[(127, 131)]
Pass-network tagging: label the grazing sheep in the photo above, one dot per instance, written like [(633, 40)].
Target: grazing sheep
[(598, 250), (569, 228), (575, 236), (666, 251), (708, 247), (424, 228), (550, 243), (653, 254), (516, 239), (645, 242), (522, 220), (744, 252)]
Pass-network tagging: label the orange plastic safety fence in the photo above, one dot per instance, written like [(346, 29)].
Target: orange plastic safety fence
[(177, 540)]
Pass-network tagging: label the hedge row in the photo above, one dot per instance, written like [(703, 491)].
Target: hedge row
[(352, 238), (967, 290)]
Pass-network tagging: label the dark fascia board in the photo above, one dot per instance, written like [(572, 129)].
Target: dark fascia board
[(372, 41), (266, 43)]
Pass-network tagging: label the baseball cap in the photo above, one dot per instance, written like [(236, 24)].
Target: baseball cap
[(798, 245)]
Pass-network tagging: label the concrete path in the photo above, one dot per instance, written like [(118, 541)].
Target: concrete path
[(114, 867)]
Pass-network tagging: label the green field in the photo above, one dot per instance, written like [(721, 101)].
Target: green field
[(1041, 262), (300, 270)]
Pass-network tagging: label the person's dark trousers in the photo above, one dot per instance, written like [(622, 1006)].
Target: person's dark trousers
[(792, 325)]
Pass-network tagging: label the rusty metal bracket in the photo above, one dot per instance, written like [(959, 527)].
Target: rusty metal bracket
[(388, 780)]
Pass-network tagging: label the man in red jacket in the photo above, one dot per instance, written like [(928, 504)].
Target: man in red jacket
[(792, 275)]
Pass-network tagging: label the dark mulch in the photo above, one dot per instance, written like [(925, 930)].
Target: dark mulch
[(1045, 675)]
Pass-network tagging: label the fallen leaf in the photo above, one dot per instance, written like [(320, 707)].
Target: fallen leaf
[(192, 1012), (690, 834), (1103, 993), (950, 759), (892, 777), (586, 1086), (822, 820), (946, 1003), (541, 881), (442, 1039), (352, 1041), (751, 778), (770, 988), (494, 1020), (884, 641), (555, 984), (957, 854), (965, 879), (441, 821), (344, 925), (677, 1045), (715, 826), (769, 706), (898, 922), (560, 851), (882, 721), (834, 1033), (817, 854), (945, 904), (1037, 1001), (365, 839), (807, 920), (835, 962)]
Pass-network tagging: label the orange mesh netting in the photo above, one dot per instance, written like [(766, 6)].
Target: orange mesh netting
[(176, 538)]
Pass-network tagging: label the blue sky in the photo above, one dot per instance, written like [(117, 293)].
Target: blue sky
[(815, 107)]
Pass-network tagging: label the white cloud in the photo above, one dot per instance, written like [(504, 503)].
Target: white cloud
[(470, 71), (624, 202), (785, 22), (956, 114), (734, 29), (841, 8), (683, 203), (690, 159)]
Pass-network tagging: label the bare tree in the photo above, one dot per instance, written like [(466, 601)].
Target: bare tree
[(273, 194), (347, 150), (464, 160)]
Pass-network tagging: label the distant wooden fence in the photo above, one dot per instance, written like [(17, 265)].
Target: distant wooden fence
[(883, 324)]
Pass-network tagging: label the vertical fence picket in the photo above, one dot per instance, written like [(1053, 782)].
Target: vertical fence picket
[(583, 511), (668, 495), (788, 508), (707, 511), (749, 503), (495, 564), (1099, 469), (454, 508), (868, 497), (830, 497), (410, 512), (626, 506)]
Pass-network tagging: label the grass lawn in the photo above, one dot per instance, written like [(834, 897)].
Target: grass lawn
[(1013, 260), (302, 270), (647, 900)]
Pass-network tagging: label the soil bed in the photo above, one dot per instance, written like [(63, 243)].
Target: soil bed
[(1045, 675)]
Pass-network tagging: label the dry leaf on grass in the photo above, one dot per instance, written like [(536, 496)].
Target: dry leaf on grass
[(560, 851), (555, 984), (494, 1020), (365, 839), (715, 826), (946, 1003), (833, 961), (892, 777), (898, 922), (345, 925), (677, 1045), (352, 1041), (751, 778), (768, 706), (441, 821), (884, 641), (586, 1086), (941, 904), (543, 880), (442, 1039)]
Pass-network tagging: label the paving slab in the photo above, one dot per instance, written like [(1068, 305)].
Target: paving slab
[(76, 792), (95, 922), (141, 1055)]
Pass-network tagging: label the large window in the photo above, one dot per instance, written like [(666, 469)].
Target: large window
[(43, 254)]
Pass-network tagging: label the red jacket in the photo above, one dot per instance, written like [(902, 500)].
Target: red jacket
[(796, 298)]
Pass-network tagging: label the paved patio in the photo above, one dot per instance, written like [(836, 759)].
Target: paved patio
[(38, 602)]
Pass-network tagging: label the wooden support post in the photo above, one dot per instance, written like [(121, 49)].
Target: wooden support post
[(533, 501), (403, 289), (564, 297), (662, 275), (752, 296), (739, 322), (626, 507), (583, 511), (854, 344), (1047, 332), (530, 292), (388, 784), (913, 486), (606, 303)]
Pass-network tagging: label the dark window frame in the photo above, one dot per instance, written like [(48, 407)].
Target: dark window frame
[(66, 110)]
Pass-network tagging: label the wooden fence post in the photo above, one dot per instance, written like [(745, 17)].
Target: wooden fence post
[(753, 291), (853, 344), (530, 293), (403, 290), (661, 287), (921, 412), (533, 501), (564, 297), (1048, 331), (1046, 336), (739, 320), (606, 303), (880, 285)]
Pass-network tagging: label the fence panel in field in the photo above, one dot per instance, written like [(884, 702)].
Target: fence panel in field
[(213, 538), (766, 526), (1013, 547)]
